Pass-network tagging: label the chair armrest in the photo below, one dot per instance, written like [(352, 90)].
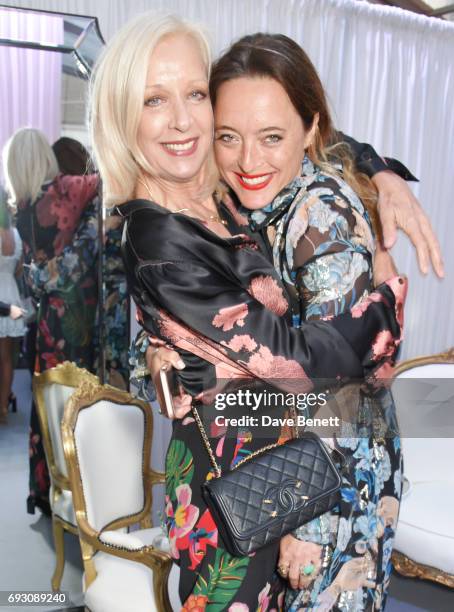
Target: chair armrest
[(121, 540), (123, 545)]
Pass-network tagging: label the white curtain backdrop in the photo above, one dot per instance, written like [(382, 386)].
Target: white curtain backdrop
[(30, 81), (389, 75)]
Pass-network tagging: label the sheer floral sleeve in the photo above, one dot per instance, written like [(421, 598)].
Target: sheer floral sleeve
[(331, 258), (332, 251)]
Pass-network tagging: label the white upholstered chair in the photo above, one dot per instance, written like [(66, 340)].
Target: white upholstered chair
[(107, 440), (51, 389), (424, 545)]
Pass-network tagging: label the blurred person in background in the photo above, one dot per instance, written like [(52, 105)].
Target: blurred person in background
[(12, 325), (112, 339), (56, 219)]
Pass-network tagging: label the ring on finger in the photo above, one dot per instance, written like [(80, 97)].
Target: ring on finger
[(283, 569), (307, 570)]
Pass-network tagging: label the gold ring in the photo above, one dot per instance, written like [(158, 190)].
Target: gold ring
[(283, 570)]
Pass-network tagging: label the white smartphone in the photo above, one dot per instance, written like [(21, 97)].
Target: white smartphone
[(164, 390)]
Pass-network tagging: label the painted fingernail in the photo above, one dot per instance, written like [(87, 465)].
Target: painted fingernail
[(180, 364)]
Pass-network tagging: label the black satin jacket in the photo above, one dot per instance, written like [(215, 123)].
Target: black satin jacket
[(220, 303)]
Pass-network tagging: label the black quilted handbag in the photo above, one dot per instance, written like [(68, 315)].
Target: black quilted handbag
[(272, 492)]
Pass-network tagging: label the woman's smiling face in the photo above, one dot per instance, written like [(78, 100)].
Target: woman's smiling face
[(260, 138), (176, 126)]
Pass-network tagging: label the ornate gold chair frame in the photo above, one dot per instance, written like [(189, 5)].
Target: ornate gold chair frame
[(158, 561), (67, 374), (402, 564)]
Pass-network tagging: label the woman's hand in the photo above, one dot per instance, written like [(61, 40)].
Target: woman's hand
[(296, 555), (156, 358), (399, 209), (384, 266), (16, 312), (355, 574)]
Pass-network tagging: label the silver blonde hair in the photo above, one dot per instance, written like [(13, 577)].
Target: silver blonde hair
[(28, 162), (116, 99)]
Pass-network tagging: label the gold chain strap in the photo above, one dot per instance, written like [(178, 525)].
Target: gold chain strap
[(216, 467)]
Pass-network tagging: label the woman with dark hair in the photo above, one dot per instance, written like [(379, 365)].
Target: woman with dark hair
[(273, 143), (72, 157)]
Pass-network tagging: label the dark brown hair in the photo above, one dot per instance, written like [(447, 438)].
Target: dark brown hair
[(278, 57)]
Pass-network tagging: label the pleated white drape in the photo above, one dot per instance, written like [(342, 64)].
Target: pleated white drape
[(30, 81)]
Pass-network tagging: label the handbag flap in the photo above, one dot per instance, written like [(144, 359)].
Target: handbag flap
[(278, 484)]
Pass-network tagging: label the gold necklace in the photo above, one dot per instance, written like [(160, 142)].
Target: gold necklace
[(212, 218)]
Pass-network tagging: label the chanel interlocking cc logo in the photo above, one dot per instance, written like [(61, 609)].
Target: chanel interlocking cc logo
[(286, 497)]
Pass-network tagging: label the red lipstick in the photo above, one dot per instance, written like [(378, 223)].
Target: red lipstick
[(256, 185)]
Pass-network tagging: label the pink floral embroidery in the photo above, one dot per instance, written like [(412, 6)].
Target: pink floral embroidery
[(266, 291), (264, 598), (183, 520), (227, 371), (383, 376), (220, 447), (185, 338), (63, 204), (216, 431), (266, 365), (187, 421), (384, 345), (230, 316), (399, 286), (238, 607), (358, 310), (241, 343)]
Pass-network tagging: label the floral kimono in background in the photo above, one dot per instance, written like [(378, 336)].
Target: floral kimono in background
[(115, 342), (59, 231), (323, 249)]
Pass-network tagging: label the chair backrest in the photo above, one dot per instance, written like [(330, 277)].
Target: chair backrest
[(51, 389), (107, 441), (423, 391)]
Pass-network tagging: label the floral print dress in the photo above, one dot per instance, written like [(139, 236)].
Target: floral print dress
[(59, 233), (115, 337), (322, 248), (220, 303)]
